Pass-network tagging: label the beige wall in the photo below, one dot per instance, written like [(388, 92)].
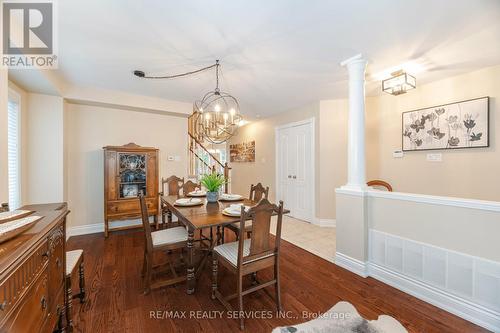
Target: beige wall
[(467, 173), (264, 168), (331, 152), (89, 128), (332, 157), (43, 139)]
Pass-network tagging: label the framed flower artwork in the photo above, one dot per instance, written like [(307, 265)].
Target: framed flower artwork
[(450, 126)]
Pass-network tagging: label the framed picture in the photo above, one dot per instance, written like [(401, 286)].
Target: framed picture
[(242, 152), (450, 126)]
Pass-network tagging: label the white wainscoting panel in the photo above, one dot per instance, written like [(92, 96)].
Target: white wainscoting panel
[(459, 283)]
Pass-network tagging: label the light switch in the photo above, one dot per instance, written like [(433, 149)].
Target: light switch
[(398, 154), (435, 157)]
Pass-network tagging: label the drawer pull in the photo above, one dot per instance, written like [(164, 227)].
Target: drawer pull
[(3, 305), (43, 301), (58, 262)]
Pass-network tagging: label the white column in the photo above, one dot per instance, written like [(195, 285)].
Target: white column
[(356, 137)]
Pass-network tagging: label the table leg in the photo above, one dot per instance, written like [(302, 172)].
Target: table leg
[(219, 236), (190, 262)]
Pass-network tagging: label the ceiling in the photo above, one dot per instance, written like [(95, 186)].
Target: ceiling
[(275, 54)]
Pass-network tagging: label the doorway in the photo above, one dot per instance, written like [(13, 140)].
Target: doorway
[(295, 159)]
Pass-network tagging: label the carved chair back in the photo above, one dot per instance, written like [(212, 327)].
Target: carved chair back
[(258, 192), (260, 244), (145, 223), (189, 187), (380, 183), (174, 185)]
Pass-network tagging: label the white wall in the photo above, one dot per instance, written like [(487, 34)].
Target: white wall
[(89, 128), (44, 145)]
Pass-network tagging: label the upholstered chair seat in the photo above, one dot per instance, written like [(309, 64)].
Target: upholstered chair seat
[(229, 251), (72, 258), (169, 236)]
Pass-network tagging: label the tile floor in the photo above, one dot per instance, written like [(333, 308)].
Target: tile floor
[(317, 240)]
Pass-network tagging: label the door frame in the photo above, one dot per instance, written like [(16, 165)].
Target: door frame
[(312, 126)]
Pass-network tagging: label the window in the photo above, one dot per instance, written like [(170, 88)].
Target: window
[(13, 141)]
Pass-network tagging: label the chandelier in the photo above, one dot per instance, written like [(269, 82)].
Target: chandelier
[(216, 115)]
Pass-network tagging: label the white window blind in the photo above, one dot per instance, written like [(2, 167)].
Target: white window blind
[(13, 154)]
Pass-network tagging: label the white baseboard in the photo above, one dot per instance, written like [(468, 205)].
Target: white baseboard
[(98, 227), (354, 265), (461, 307), (329, 223), (84, 229)]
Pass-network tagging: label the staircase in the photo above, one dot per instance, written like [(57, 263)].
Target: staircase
[(203, 160)]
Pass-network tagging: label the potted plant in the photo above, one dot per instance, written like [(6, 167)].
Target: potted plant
[(213, 182)]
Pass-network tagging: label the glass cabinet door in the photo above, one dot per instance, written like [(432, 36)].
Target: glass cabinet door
[(132, 175)]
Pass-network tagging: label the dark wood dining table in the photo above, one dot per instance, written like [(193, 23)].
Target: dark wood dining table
[(203, 216)]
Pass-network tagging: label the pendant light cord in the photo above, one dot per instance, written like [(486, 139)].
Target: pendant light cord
[(216, 65)]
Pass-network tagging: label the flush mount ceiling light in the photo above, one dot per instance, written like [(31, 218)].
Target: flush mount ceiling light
[(217, 114), (399, 83)]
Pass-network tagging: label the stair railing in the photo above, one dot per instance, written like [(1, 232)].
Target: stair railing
[(201, 160)]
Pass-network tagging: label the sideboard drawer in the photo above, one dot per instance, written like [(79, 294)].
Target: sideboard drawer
[(31, 313), (131, 207), (15, 285)]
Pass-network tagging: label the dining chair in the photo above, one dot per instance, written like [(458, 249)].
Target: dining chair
[(257, 192), (189, 187), (164, 240), (174, 185), (248, 256), (74, 261)]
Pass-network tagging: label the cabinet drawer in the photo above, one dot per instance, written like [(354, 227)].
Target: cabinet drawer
[(32, 311), (131, 207), (16, 284)]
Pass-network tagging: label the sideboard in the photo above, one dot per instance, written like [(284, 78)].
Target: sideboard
[(32, 274)]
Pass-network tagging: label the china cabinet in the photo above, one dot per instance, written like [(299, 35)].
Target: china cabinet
[(128, 170)]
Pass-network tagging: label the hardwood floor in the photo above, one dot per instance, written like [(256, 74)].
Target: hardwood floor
[(116, 303)]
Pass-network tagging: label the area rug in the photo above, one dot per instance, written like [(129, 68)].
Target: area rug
[(343, 318)]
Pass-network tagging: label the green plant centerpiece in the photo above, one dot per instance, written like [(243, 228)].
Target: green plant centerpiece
[(213, 182)]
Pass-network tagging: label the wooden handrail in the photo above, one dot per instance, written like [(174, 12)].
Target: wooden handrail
[(198, 157), (206, 150)]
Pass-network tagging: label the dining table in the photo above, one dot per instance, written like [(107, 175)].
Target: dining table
[(205, 215)]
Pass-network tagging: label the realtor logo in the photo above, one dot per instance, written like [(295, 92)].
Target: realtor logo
[(28, 34)]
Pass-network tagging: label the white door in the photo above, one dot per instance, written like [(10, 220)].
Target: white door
[(295, 169)]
